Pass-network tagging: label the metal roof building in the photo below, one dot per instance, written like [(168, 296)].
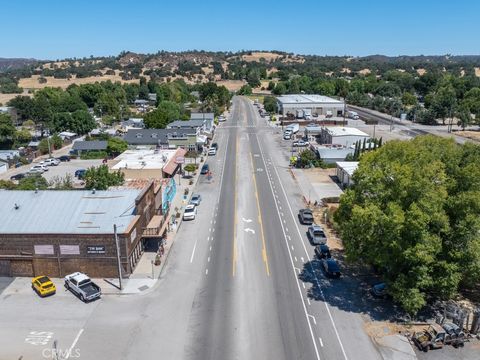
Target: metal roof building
[(316, 104), (66, 212), (345, 170)]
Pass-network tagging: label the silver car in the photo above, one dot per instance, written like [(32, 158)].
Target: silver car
[(196, 199), (316, 235)]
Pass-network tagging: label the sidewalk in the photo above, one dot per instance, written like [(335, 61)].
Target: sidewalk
[(144, 277)]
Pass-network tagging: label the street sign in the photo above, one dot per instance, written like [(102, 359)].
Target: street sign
[(97, 249)]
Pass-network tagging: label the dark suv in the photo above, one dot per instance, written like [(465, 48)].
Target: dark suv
[(205, 169), (305, 216)]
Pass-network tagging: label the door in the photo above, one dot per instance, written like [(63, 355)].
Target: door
[(5, 269)]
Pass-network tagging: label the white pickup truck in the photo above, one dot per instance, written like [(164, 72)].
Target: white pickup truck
[(81, 285)]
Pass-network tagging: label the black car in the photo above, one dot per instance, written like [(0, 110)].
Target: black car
[(306, 216), (322, 251), (330, 267), (17, 176), (80, 173), (64, 158), (205, 169), (215, 145)]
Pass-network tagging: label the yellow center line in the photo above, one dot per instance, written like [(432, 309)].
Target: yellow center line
[(264, 248), (234, 257)]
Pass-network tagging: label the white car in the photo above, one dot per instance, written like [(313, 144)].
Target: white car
[(300, 143), (41, 167), (50, 162), (190, 212), (212, 151), (34, 171)]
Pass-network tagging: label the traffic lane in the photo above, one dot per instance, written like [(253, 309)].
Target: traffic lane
[(211, 327), (31, 324), (259, 330), (349, 325), (297, 321)]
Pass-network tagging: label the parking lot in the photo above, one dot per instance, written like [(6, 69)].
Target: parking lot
[(59, 171)]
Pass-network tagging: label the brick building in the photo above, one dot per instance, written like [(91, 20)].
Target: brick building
[(60, 232)]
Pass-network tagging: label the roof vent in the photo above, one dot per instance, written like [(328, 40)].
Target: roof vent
[(16, 206)]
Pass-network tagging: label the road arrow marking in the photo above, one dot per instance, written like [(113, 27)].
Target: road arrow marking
[(247, 220), (250, 230)]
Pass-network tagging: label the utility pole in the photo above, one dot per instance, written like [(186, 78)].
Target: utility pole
[(117, 247)]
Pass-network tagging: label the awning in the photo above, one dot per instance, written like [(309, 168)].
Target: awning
[(201, 139), (171, 166)]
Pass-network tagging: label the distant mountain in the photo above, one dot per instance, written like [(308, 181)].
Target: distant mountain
[(15, 63)]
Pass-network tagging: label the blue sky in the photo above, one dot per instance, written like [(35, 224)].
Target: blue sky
[(73, 28)]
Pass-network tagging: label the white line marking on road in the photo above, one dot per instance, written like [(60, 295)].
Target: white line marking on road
[(193, 251), (311, 266), (321, 342), (294, 268), (215, 222), (303, 284), (279, 207), (286, 229), (289, 238), (74, 343), (313, 318), (211, 221), (210, 248), (213, 230), (281, 213), (292, 247), (308, 300), (208, 259), (284, 221), (295, 258), (208, 238), (209, 229), (206, 271), (249, 230), (303, 260), (247, 220)]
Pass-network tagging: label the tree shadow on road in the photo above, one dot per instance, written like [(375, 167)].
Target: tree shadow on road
[(350, 292), (5, 282)]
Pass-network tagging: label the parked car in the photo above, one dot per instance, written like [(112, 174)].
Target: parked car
[(80, 173), (305, 216), (40, 167), (215, 146), (190, 212), (81, 285), (294, 127), (212, 151), (287, 136), (43, 286), (322, 251), (379, 290), (205, 169), (300, 143), (196, 199), (19, 176), (34, 171), (330, 267), (50, 162), (64, 158), (316, 235)]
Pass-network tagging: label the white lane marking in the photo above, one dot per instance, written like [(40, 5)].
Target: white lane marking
[(289, 238), (284, 221), (308, 257), (206, 271), (213, 230), (286, 229), (313, 318), (38, 337), (321, 342), (296, 278), (308, 300), (211, 221), (249, 230), (247, 220), (209, 229), (210, 248), (295, 259), (303, 260), (74, 343), (281, 213), (292, 247), (303, 284), (214, 222), (193, 251), (208, 259), (208, 238)]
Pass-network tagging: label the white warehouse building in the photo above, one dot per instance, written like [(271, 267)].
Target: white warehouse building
[(314, 104), (337, 135)]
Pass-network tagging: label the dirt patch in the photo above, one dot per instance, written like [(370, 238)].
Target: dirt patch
[(32, 82), (477, 71), (421, 71), (232, 85), (364, 71), (379, 329), (473, 135)]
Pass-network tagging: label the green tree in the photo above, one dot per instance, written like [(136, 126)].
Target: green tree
[(116, 146), (190, 168), (270, 104), (245, 90), (7, 130), (408, 99), (413, 213), (7, 185), (100, 178), (23, 136), (33, 183), (444, 102), (166, 112)]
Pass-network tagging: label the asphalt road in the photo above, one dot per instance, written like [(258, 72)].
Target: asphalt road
[(240, 282)]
